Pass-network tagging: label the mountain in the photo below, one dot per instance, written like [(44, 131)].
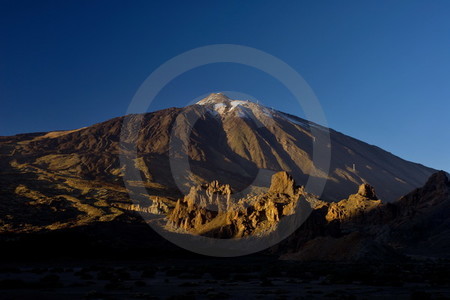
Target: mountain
[(71, 183)]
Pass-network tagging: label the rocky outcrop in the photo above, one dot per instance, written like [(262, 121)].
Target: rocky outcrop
[(356, 205), (367, 191), (157, 207), (212, 196), (210, 210), (282, 183), (420, 223), (333, 231), (200, 206), (435, 191), (362, 228)]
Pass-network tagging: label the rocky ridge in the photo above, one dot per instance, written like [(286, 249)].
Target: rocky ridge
[(356, 204), (210, 210), (362, 228)]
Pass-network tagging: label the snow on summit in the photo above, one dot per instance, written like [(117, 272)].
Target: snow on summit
[(220, 100), (219, 103)]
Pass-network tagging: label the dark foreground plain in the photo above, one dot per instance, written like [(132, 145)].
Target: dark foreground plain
[(196, 277)]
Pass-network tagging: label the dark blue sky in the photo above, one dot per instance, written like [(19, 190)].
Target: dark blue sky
[(381, 69)]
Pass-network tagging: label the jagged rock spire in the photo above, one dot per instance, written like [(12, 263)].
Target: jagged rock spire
[(367, 191)]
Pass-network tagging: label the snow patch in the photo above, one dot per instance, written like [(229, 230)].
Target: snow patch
[(235, 103), (220, 107), (218, 104)]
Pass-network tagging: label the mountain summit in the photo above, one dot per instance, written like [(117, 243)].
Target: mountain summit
[(220, 104), (214, 98)]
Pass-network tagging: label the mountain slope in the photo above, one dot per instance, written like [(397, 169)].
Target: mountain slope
[(231, 141)]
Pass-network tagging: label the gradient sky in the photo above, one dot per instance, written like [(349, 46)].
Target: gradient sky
[(381, 69)]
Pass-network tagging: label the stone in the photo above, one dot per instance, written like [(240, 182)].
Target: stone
[(282, 183), (367, 191)]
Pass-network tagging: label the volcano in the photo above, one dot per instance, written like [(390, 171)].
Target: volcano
[(63, 180)]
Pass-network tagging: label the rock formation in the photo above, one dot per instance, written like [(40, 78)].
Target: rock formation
[(434, 192), (210, 210), (282, 183), (419, 222), (158, 207), (356, 204), (361, 228), (367, 191)]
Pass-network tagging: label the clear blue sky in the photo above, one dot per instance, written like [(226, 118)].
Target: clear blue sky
[(381, 69)]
